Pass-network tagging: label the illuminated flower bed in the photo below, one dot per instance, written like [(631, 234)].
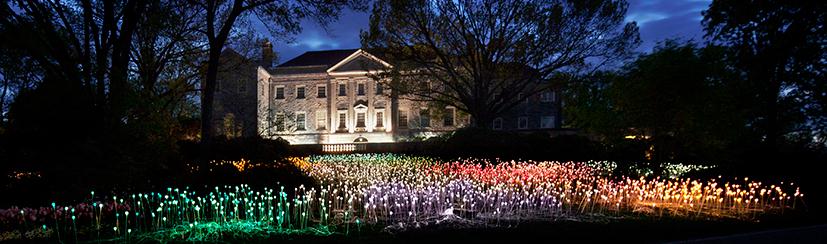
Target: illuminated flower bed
[(391, 189), (394, 190)]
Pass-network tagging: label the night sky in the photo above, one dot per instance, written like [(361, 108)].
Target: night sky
[(657, 19)]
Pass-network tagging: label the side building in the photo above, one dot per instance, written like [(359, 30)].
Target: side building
[(329, 97)]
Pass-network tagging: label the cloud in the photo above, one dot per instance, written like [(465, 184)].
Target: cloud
[(642, 18), (667, 19), (342, 34)]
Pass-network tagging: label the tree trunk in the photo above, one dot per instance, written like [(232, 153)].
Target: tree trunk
[(772, 124), (209, 94), (481, 118)]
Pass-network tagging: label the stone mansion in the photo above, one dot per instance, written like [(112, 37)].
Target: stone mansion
[(327, 97)]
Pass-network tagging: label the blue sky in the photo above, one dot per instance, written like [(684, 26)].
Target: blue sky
[(657, 19)]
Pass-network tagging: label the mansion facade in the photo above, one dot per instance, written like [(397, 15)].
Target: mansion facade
[(328, 97)]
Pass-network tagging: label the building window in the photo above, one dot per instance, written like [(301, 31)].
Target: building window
[(342, 89), (301, 118), (280, 122), (360, 120), (448, 119), (342, 120), (498, 124), (521, 98), (547, 122), (378, 88), (403, 119), (321, 120), (300, 92), (380, 118), (280, 92), (522, 123), (547, 96), (321, 91), (231, 128), (360, 89), (425, 86), (424, 118)]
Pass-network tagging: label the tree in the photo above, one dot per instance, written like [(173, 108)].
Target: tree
[(479, 55), (166, 52), (673, 94), (779, 47), (136, 58), (590, 108), (669, 97), (84, 43), (112, 76), (280, 16), (18, 73)]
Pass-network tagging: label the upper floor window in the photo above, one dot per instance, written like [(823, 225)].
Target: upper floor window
[(425, 86), (378, 88), (547, 96), (360, 89), (522, 122), (300, 92), (280, 92), (342, 89), (321, 91), (522, 98), (497, 124)]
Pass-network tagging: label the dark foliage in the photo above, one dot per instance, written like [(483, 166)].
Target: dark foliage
[(254, 149), (264, 163), (560, 145), (55, 132), (473, 142)]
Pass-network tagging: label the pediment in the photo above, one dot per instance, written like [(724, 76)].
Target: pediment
[(360, 104), (359, 61)]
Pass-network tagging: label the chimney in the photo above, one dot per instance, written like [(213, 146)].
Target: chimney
[(267, 54)]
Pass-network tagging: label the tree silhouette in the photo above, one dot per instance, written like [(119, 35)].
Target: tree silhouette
[(779, 46), (479, 55)]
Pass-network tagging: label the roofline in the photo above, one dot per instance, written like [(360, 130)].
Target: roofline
[(330, 71), (329, 50), (300, 67)]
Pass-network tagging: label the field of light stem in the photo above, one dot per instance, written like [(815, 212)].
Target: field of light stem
[(354, 195)]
